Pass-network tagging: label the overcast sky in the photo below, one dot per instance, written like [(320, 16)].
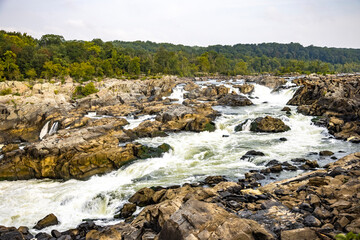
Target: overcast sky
[(331, 23)]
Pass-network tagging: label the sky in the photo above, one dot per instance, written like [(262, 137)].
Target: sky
[(330, 23)]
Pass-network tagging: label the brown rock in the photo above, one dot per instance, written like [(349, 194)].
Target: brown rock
[(268, 124), (143, 197), (301, 233), (47, 221)]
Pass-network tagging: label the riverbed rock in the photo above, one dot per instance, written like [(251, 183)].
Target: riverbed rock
[(234, 100), (245, 88), (49, 220), (268, 124)]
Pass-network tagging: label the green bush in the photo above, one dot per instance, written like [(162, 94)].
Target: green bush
[(5, 91), (348, 236), (88, 89)]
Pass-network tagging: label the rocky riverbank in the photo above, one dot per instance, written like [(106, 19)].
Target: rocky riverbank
[(336, 102), (314, 205)]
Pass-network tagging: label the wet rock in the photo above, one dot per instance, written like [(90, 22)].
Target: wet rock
[(126, 211), (234, 100), (309, 165), (312, 221), (143, 197), (43, 236), (268, 124), (283, 139), (245, 88), (55, 234), (326, 153), (276, 168), (10, 233), (272, 163), (286, 109), (337, 171), (215, 179), (49, 220)]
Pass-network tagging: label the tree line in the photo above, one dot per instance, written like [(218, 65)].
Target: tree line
[(24, 57)]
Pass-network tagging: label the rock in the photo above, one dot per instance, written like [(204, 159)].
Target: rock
[(268, 124), (301, 233), (272, 163), (305, 206), (9, 148), (326, 153), (334, 99), (322, 213), (317, 181), (286, 109), (276, 169), (234, 100), (49, 220), (312, 221), (55, 234), (11, 233), (212, 180), (245, 88), (309, 165), (43, 236), (199, 220), (283, 139), (126, 211), (143, 197), (354, 226)]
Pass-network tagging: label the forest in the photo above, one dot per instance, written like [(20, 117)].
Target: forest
[(23, 57)]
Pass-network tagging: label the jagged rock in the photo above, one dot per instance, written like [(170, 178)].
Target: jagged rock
[(214, 179), (268, 124), (245, 88), (126, 211), (286, 109), (199, 220), (335, 100), (143, 197), (234, 100), (49, 220), (301, 233)]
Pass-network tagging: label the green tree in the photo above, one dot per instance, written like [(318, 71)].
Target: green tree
[(31, 73), (134, 66), (241, 68), (11, 70)]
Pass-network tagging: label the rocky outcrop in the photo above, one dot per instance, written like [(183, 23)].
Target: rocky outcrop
[(210, 93), (234, 100), (337, 100), (265, 124), (245, 88), (76, 154)]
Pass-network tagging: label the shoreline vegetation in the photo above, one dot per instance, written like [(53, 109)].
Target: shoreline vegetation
[(23, 57)]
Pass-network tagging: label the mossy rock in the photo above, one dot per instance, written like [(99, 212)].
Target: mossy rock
[(144, 152)]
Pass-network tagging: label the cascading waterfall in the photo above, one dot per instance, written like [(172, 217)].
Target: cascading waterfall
[(194, 156), (54, 128), (44, 130)]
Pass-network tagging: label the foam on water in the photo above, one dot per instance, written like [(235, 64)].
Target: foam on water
[(192, 158)]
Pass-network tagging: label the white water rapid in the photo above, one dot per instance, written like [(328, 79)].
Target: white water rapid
[(194, 156)]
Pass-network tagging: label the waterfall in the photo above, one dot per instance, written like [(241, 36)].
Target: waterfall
[(44, 130), (54, 128)]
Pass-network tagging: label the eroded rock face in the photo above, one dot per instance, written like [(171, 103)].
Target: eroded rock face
[(268, 124), (76, 154), (336, 99)]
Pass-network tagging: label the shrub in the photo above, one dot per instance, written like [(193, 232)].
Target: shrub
[(5, 91), (86, 90)]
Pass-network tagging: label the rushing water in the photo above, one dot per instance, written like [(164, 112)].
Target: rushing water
[(193, 157)]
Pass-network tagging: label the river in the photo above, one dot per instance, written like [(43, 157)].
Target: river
[(193, 157)]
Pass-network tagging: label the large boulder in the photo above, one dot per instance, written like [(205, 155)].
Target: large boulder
[(268, 124), (199, 220), (234, 100), (49, 220)]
